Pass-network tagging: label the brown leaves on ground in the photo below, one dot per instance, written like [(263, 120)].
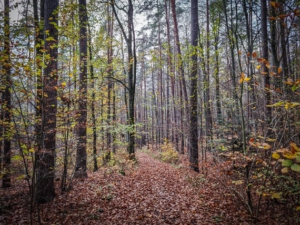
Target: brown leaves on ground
[(153, 193)]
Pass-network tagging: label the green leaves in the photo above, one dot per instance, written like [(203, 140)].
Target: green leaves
[(289, 158), (295, 167), (287, 162)]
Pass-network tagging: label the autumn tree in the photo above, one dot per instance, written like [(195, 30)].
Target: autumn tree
[(129, 37), (45, 159)]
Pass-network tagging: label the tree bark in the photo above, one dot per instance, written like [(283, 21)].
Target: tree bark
[(193, 156), (131, 71), (265, 55), (45, 162), (80, 168), (6, 181), (182, 84)]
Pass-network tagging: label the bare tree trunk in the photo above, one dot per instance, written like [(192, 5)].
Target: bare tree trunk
[(110, 84), (81, 157), (131, 62), (183, 99), (93, 102), (265, 55), (193, 157), (6, 181), (206, 85)]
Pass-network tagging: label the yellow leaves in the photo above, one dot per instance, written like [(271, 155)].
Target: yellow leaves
[(63, 84), (289, 155), (287, 105), (243, 78), (275, 155), (271, 139), (258, 67), (26, 68), (289, 81), (276, 195), (294, 147)]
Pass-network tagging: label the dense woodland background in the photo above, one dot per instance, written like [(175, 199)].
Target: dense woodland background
[(216, 82)]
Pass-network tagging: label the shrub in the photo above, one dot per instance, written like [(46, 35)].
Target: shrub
[(168, 153)]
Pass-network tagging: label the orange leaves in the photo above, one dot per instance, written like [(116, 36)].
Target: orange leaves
[(275, 4), (264, 146)]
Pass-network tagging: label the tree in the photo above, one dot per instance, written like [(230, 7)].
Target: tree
[(80, 168), (45, 159), (265, 56), (131, 72), (182, 86), (193, 150), (6, 107)]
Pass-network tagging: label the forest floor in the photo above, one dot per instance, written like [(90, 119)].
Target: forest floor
[(151, 192)]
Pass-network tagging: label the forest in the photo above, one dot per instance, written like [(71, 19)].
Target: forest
[(150, 112)]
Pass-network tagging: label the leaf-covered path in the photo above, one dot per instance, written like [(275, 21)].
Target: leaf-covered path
[(152, 193), (155, 194)]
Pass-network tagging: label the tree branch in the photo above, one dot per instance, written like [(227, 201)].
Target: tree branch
[(119, 81)]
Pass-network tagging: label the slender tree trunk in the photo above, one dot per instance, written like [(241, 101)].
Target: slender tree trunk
[(39, 60), (170, 77), (160, 85), (206, 81), (93, 102), (216, 33), (110, 84), (45, 162), (6, 181), (182, 86), (131, 62), (265, 55), (193, 157), (81, 156)]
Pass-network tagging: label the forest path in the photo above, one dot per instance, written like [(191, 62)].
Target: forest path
[(158, 193), (152, 192)]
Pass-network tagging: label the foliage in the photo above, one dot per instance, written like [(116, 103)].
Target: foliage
[(168, 153)]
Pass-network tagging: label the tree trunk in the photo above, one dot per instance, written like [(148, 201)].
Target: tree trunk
[(45, 162), (131, 62), (6, 181), (206, 86), (93, 102), (109, 84), (182, 85), (193, 156), (265, 55), (80, 168)]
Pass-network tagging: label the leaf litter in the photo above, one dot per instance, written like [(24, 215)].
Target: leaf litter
[(152, 193)]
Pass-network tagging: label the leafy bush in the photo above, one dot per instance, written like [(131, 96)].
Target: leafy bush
[(168, 153)]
